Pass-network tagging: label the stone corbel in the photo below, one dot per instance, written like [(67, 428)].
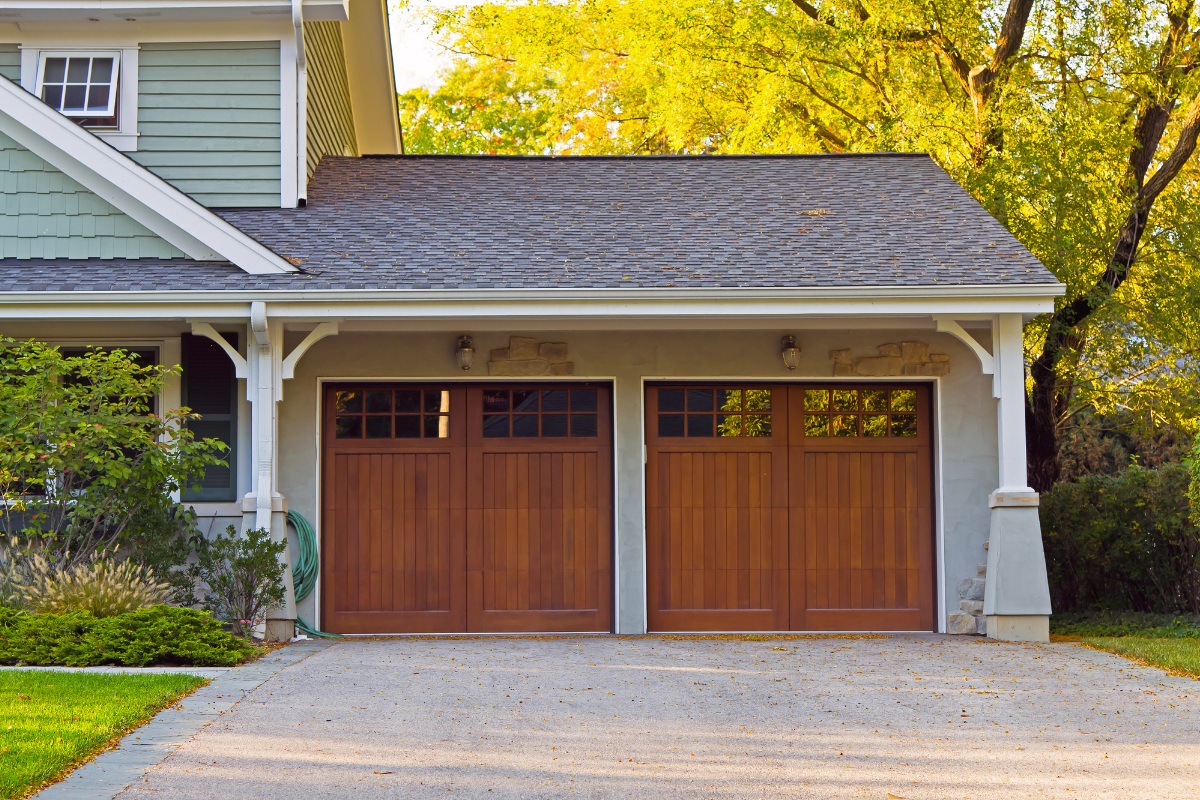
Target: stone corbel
[(987, 362)]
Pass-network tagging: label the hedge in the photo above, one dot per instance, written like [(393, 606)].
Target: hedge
[(156, 635), (1123, 543)]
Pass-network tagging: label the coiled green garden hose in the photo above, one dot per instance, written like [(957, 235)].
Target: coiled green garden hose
[(305, 569)]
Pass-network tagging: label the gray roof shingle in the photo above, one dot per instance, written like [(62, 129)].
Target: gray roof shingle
[(462, 222)]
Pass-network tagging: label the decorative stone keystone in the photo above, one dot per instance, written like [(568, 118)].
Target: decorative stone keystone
[(527, 357)]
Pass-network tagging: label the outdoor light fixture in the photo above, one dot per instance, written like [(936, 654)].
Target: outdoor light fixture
[(464, 353), (790, 352)]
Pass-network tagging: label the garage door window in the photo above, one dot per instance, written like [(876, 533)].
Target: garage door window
[(714, 412), (385, 414), (860, 413), (539, 413)]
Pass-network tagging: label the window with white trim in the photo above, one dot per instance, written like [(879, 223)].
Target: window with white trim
[(94, 86), (83, 86)]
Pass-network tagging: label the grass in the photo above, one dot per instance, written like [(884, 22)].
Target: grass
[(1177, 656), (50, 722), (1171, 642)]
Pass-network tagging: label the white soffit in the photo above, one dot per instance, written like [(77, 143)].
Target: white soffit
[(134, 190)]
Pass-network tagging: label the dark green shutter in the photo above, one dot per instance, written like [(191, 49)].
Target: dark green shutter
[(210, 390)]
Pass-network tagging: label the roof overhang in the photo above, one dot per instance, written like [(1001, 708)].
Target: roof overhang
[(573, 308), (367, 43), (165, 10), (134, 190)]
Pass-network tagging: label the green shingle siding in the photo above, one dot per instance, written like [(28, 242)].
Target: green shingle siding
[(46, 214), (209, 119), (10, 62), (330, 123)]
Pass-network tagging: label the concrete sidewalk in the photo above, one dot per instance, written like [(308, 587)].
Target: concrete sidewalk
[(901, 717), (112, 771)]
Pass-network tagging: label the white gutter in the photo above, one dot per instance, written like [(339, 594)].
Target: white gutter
[(537, 304), (933, 293)]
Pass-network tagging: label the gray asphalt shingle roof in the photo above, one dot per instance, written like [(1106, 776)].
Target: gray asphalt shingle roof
[(446, 222)]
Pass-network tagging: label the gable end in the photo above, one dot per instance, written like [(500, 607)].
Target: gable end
[(46, 214)]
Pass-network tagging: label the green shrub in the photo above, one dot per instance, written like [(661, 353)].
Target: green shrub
[(83, 451), (101, 586), (242, 575), (156, 635), (1125, 543), (1127, 623)]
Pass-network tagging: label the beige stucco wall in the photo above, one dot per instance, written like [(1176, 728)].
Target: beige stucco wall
[(965, 458)]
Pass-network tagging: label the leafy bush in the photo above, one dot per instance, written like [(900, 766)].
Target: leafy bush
[(82, 452), (1123, 543), (156, 635), (162, 539), (1127, 623), (103, 587), (242, 575)]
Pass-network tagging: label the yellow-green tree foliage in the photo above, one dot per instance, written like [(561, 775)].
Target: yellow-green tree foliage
[(1072, 121)]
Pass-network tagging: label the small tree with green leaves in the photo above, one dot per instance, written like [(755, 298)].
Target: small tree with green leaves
[(242, 575), (84, 454)]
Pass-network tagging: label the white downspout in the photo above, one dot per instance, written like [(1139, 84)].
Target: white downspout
[(301, 103)]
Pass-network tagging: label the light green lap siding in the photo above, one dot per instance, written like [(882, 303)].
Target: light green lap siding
[(209, 119), (45, 214), (10, 62), (330, 123)]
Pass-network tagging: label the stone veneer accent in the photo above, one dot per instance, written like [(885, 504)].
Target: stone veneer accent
[(969, 618), (525, 356), (906, 358)]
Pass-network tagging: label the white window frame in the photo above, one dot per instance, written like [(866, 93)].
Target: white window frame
[(124, 136), (112, 108)]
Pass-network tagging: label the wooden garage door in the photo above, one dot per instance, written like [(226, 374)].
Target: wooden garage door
[(814, 500), (467, 508)]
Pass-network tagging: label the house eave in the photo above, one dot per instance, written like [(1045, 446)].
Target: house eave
[(568, 305)]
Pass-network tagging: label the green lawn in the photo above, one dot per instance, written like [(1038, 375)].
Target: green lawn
[(51, 722), (1181, 656), (1170, 641)]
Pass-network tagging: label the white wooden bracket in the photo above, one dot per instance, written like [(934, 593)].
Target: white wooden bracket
[(240, 368), (987, 361), (315, 335)]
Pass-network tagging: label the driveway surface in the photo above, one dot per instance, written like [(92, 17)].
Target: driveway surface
[(895, 717)]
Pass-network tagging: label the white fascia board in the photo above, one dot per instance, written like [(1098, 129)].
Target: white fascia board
[(151, 201), (572, 307), (147, 10)]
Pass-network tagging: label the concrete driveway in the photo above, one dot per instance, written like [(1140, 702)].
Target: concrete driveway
[(896, 717)]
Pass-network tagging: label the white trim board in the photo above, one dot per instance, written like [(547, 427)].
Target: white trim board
[(134, 190), (483, 309)]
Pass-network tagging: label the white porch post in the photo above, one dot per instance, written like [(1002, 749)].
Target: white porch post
[(264, 507), (1016, 600)]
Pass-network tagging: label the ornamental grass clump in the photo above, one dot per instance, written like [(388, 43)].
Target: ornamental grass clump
[(102, 586)]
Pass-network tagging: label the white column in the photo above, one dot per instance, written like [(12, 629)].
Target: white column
[(265, 505), (1010, 380), (1016, 600)]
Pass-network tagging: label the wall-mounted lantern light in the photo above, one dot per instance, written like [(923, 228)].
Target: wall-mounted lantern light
[(790, 352), (464, 353)]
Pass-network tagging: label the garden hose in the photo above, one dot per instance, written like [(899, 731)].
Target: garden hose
[(305, 568)]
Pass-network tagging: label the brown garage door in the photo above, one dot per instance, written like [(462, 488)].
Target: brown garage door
[(467, 508), (789, 507)]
